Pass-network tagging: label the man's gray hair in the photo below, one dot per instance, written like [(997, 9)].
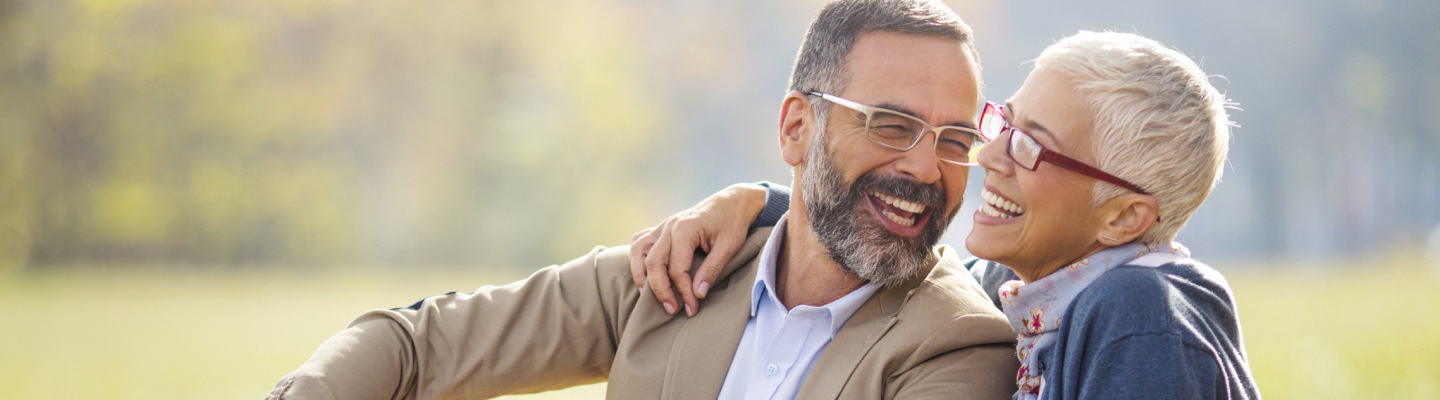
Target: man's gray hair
[(820, 65), (1158, 122)]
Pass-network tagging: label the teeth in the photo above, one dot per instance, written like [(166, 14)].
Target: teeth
[(990, 210), (898, 219), (899, 203), (994, 203)]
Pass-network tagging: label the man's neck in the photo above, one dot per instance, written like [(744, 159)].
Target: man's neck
[(804, 272)]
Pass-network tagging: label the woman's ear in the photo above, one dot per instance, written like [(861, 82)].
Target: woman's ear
[(1126, 217), (796, 122)]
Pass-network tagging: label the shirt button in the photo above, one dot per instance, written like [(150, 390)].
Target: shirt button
[(772, 369)]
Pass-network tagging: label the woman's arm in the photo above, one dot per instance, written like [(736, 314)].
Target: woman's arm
[(718, 225)]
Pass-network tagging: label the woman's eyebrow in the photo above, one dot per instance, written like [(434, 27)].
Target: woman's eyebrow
[(1031, 126)]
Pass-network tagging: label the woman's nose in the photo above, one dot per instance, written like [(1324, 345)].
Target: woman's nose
[(992, 157)]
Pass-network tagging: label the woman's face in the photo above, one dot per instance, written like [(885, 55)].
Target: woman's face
[(1052, 223)]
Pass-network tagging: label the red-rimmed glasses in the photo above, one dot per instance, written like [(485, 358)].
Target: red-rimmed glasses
[(1029, 153)]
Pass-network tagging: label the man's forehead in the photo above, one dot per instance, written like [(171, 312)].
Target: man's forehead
[(915, 74), (925, 76)]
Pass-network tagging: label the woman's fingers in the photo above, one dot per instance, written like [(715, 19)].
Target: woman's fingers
[(665, 255), (724, 249), (640, 245), (683, 244), (656, 271), (681, 281)]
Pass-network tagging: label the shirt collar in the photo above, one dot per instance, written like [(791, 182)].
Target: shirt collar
[(840, 310)]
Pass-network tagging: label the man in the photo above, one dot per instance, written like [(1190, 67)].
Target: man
[(847, 298)]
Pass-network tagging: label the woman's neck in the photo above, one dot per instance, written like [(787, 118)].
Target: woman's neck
[(1039, 270)]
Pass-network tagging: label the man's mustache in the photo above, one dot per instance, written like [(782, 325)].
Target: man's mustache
[(928, 195)]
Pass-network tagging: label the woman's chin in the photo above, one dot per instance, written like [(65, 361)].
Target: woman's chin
[(983, 242)]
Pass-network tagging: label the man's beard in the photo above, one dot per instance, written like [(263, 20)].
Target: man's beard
[(852, 235)]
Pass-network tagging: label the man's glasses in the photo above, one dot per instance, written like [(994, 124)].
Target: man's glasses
[(1029, 153), (953, 144)]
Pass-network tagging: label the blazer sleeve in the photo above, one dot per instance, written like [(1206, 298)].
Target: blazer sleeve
[(558, 328)]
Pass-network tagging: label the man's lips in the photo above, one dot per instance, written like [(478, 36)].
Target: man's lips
[(899, 216)]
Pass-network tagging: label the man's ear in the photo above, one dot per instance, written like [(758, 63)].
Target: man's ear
[(1126, 217), (796, 126)]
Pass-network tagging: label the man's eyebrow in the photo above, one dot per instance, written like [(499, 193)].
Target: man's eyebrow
[(903, 110), (1029, 125)]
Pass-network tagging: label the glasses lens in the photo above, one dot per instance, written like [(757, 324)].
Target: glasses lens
[(992, 121), (893, 129), (958, 146), (1024, 149)]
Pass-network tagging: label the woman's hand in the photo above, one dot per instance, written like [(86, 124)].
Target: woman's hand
[(718, 225)]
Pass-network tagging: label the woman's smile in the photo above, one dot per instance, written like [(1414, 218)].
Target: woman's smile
[(998, 206)]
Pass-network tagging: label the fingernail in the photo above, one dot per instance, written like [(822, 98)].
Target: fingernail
[(689, 312), (669, 309), (704, 288)]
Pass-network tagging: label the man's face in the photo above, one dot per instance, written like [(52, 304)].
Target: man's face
[(861, 198)]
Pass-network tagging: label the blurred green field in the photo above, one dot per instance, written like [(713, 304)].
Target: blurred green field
[(1341, 332)]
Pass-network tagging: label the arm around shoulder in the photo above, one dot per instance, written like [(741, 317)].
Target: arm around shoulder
[(557, 328)]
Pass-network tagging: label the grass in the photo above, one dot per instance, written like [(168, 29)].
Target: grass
[(1351, 333), (1343, 331), (190, 335)]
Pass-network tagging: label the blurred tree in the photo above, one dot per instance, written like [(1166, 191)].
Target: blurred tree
[(318, 132), (501, 133)]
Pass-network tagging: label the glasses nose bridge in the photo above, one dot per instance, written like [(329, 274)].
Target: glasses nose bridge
[(925, 128), (933, 148)]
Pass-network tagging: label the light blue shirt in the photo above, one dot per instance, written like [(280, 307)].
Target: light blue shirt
[(779, 346)]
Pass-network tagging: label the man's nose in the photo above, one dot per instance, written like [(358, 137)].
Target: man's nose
[(921, 161)]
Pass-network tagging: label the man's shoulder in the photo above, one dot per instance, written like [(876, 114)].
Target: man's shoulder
[(942, 315), (950, 286), (949, 300)]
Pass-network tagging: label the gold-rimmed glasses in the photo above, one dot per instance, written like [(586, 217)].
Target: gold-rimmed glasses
[(899, 131)]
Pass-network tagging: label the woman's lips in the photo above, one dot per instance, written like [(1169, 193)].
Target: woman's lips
[(996, 209), (998, 206)]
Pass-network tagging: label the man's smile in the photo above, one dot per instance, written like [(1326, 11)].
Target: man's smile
[(899, 216)]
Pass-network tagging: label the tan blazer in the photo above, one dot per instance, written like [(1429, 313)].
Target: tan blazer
[(934, 336)]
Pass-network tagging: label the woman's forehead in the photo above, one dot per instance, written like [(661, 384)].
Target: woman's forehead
[(1050, 108)]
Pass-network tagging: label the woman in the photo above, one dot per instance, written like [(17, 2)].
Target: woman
[(1105, 303)]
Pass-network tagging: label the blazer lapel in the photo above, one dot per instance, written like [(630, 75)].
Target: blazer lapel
[(840, 358), (701, 354)]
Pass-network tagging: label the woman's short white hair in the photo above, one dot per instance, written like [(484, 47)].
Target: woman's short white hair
[(1158, 122)]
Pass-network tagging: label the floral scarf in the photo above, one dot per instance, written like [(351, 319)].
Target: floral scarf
[(1035, 309)]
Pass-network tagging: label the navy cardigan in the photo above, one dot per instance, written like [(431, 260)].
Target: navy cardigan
[(1168, 332)]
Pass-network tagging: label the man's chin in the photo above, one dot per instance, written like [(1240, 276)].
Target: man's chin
[(887, 259), (891, 270)]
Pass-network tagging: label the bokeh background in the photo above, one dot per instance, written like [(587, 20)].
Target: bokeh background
[(195, 193)]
